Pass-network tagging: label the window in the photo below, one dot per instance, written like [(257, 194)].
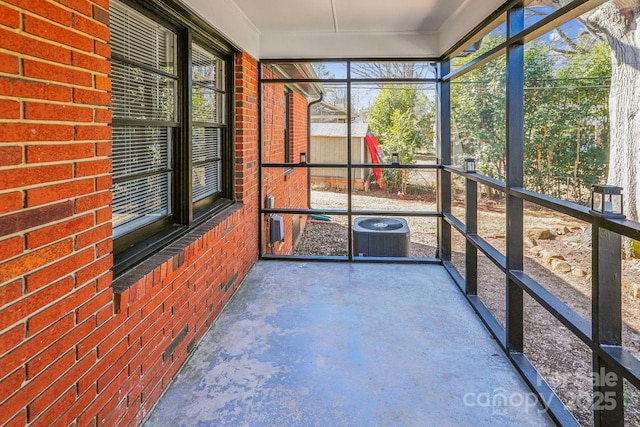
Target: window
[(286, 100), (171, 149)]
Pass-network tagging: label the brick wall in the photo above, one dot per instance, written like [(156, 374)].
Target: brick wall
[(75, 346), (289, 187)]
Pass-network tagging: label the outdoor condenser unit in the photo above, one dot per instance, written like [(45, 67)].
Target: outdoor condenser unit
[(381, 237)]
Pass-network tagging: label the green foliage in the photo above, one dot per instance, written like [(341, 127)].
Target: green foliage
[(566, 136), (402, 118)]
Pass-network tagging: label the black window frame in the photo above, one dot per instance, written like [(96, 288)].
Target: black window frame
[(137, 245)]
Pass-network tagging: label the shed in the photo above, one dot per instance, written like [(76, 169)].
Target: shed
[(329, 145)]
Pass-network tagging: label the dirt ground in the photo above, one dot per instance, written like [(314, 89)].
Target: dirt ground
[(563, 360)]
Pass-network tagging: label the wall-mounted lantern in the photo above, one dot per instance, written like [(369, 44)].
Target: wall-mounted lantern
[(470, 165), (303, 158), (395, 159), (606, 200)]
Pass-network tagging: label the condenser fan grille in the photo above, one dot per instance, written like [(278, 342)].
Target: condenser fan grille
[(381, 224)]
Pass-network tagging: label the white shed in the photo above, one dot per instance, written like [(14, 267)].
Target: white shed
[(329, 145)]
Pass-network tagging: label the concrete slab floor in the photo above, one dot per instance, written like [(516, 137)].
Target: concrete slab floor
[(328, 344)]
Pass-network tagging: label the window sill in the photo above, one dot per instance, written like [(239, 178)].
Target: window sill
[(177, 240)]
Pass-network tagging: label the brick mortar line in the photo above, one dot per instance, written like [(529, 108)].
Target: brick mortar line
[(21, 76), (60, 5)]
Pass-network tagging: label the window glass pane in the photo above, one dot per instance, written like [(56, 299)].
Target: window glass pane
[(304, 70), (392, 70), (206, 144), (489, 38), (206, 105), (138, 38), (205, 180), (478, 118), (206, 68), (567, 124), (140, 150), (142, 95), (140, 202)]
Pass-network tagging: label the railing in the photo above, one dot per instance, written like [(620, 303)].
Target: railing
[(603, 335)]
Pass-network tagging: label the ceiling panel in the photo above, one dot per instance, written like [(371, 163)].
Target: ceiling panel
[(289, 15), (394, 16)]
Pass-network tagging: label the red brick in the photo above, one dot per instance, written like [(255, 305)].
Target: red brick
[(104, 314), (14, 178), (93, 236), (102, 49), (103, 215), (55, 153), (52, 11), (39, 404), (59, 407), (34, 90), (83, 401), (49, 31), (94, 167), (58, 231), (93, 97), (102, 3), (104, 182), (88, 133), (103, 148), (24, 132), (8, 63), (17, 42), (98, 64), (12, 338), (94, 270), (10, 292), (52, 353), (60, 269), (69, 113), (10, 155), (18, 356), (41, 70), (102, 82), (50, 315), (9, 17), (30, 262), (103, 116), (12, 383), (92, 307), (92, 27), (11, 247), (82, 6), (26, 219), (52, 193), (101, 15), (9, 109), (93, 201)]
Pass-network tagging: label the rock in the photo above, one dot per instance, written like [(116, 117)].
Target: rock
[(542, 234), (536, 250), (529, 242), (567, 230), (578, 272), (635, 290), (550, 255), (560, 266), (559, 231)]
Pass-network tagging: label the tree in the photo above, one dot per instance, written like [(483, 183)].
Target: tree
[(402, 118)]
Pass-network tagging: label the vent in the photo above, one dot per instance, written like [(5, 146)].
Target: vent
[(381, 237)]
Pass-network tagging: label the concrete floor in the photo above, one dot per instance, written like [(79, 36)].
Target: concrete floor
[(324, 344)]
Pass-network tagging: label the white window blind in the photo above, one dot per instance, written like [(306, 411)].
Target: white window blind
[(144, 94), (208, 99)]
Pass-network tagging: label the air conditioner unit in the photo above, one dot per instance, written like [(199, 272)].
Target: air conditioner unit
[(381, 237)]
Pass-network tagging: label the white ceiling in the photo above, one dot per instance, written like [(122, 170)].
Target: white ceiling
[(344, 28)]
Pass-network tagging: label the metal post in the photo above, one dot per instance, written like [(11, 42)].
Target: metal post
[(515, 178), (471, 221), (444, 158), (608, 408)]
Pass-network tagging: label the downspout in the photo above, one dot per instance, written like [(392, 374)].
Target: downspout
[(309, 159)]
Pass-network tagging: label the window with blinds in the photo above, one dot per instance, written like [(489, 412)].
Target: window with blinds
[(144, 94), (208, 100)]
